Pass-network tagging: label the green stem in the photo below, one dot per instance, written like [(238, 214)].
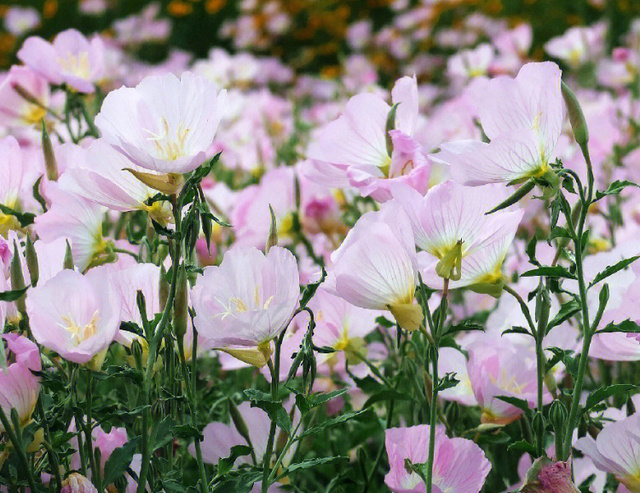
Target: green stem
[(17, 445), (153, 350), (433, 410), (381, 449), (587, 330), (53, 457)]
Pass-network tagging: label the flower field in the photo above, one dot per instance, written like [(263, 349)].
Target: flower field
[(320, 246)]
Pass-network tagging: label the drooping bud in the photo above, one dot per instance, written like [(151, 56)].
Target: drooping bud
[(450, 266), (32, 262), (68, 258), (50, 163), (408, 315), (77, 483), (17, 278), (168, 183), (272, 239), (558, 416), (181, 304), (546, 476)]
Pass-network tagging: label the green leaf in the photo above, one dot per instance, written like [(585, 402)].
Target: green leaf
[(555, 271), (567, 310), (343, 418), (514, 401), (271, 406), (615, 188), (226, 463), (119, 461), (187, 432), (612, 269), (306, 464), (626, 326), (516, 329), (161, 435), (386, 395), (12, 295), (603, 393), (24, 218)]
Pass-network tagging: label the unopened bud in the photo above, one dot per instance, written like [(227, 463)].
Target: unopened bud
[(17, 278), (450, 266), (181, 304), (32, 262), (546, 476), (390, 125), (576, 116), (558, 416), (50, 164), (272, 239), (163, 288), (515, 197), (68, 258)]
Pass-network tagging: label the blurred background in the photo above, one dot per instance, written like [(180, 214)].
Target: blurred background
[(310, 36)]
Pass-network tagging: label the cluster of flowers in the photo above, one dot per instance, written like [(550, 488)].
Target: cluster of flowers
[(337, 243)]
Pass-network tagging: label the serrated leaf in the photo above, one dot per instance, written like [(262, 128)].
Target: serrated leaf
[(343, 418), (615, 188), (119, 461), (627, 326), (612, 269), (567, 310), (514, 401), (306, 464), (603, 393)]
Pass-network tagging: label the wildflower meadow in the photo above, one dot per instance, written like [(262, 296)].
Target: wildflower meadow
[(307, 246)]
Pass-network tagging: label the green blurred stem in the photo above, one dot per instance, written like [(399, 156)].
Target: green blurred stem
[(14, 438)]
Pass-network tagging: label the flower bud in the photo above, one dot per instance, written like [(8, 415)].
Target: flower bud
[(272, 239), (17, 278), (68, 258), (256, 356), (558, 416), (77, 483), (181, 304), (238, 421), (32, 262), (546, 476), (163, 288), (576, 116), (50, 164), (450, 266)]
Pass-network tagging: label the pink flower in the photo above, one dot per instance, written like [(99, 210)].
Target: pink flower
[(12, 168), (19, 20), (522, 117), (459, 241), (71, 59), (453, 361), (76, 219), (499, 368), (578, 45), (164, 124), (459, 465), (19, 387), (15, 110), (616, 450), (375, 267), (108, 442), (340, 325), (251, 218), (102, 177), (74, 315), (356, 144), (246, 301)]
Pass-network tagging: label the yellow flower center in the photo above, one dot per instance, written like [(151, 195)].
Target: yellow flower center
[(76, 64), (170, 147), (80, 333)]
